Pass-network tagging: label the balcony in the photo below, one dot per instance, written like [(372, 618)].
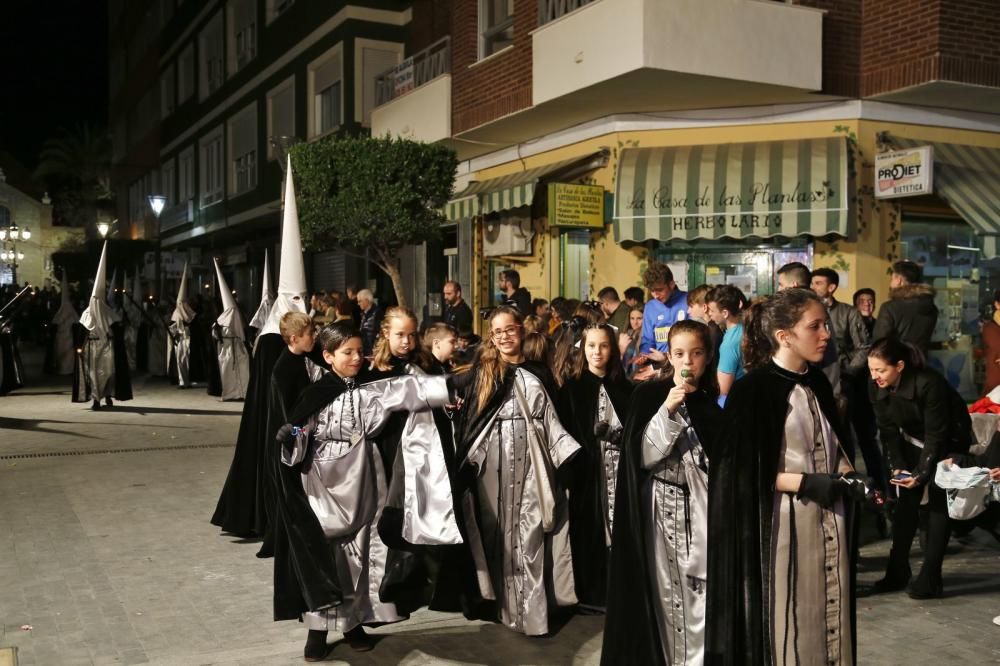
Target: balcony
[(413, 99), (664, 54), (176, 216)]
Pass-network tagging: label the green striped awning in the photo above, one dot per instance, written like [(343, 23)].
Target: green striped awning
[(503, 193), (968, 178), (736, 190)]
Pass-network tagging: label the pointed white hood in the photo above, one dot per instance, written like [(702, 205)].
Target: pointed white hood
[(111, 288), (231, 317), (182, 311), (266, 298), (98, 317), (66, 314), (292, 295)]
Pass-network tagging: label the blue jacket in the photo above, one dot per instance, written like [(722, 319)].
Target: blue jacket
[(657, 318)]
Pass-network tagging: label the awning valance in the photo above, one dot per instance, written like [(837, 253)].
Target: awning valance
[(506, 192), (968, 178), (737, 190)]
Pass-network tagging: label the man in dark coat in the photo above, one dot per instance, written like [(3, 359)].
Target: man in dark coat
[(371, 320), (514, 294), (457, 313), (910, 313)]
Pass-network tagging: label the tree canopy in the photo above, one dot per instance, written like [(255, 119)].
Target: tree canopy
[(374, 193)]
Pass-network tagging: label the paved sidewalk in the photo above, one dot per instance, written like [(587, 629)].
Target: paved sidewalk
[(110, 559)]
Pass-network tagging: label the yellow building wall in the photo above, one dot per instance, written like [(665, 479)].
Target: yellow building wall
[(865, 258)]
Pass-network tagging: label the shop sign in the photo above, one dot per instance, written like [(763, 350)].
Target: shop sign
[(904, 173), (403, 80), (577, 206)]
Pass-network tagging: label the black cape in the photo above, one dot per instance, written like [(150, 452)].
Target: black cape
[(241, 508), (586, 479), (12, 374), (631, 627), (742, 471), (305, 572)]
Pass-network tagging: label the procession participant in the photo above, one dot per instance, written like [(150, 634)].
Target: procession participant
[(157, 338), (596, 396), (230, 336), (63, 350), (509, 441), (333, 453), (101, 369), (259, 319), (921, 420), (659, 551), (136, 330), (247, 499), (779, 560), (181, 347), (439, 342)]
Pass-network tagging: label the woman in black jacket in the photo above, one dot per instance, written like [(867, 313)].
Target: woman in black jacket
[(921, 420)]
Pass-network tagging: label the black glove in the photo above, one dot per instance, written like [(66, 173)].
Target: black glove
[(284, 435), (824, 489)]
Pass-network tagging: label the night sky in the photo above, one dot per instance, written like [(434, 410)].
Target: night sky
[(53, 71)]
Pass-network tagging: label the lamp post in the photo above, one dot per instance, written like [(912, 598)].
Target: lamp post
[(157, 202), (9, 253)]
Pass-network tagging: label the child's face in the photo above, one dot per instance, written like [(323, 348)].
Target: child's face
[(698, 311), (444, 348), (401, 336), (346, 360), (304, 343), (688, 352), (597, 351), (635, 320)]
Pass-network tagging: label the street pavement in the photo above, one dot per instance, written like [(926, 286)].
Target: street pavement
[(107, 557)]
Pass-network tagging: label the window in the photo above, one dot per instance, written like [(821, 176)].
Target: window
[(185, 74), (242, 22), (281, 112), (326, 74), (185, 175), (4, 216), (168, 182), (243, 150), (168, 91), (276, 8), (210, 57), (372, 59), (496, 26), (212, 172)]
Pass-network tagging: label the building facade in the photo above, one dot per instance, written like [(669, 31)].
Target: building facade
[(726, 137), (206, 96)]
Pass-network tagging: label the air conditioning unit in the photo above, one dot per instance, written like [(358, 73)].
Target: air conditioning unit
[(508, 235)]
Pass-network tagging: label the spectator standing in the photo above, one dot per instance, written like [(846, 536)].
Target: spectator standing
[(848, 329), (612, 307), (697, 306), (352, 296), (864, 301), (560, 311), (910, 313), (794, 274), (634, 298), (628, 341), (991, 346), (457, 312), (371, 320), (725, 305), (514, 295), (667, 306)]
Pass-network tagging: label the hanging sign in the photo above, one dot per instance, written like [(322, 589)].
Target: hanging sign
[(904, 173), (578, 206)]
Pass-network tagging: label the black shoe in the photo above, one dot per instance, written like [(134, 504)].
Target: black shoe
[(107, 401), (358, 639), (926, 587), (316, 647), (884, 586), (96, 406)]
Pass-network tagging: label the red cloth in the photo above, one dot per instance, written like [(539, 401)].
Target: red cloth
[(984, 406)]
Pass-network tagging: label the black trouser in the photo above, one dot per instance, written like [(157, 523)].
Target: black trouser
[(866, 430), (905, 522)]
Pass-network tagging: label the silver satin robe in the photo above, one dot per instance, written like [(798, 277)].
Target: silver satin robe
[(611, 458), (234, 362), (334, 488), (678, 533), (810, 575), (179, 345), (509, 544)]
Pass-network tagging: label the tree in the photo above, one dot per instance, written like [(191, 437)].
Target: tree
[(376, 193), (76, 167)]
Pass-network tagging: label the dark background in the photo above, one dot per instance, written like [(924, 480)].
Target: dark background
[(53, 72)]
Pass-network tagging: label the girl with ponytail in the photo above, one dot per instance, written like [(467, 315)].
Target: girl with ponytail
[(779, 500)]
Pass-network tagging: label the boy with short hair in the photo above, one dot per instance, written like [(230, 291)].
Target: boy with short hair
[(440, 341), (697, 307)]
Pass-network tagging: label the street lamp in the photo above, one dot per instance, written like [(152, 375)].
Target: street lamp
[(157, 202), (104, 227)]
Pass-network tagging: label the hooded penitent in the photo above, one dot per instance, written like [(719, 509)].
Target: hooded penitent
[(246, 504), (131, 299), (101, 366), (234, 362), (180, 348), (63, 321), (182, 310), (266, 297)]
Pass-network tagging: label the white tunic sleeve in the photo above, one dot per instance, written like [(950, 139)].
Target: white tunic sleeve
[(409, 393), (661, 436)]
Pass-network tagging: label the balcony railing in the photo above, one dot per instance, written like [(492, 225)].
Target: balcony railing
[(550, 10), (414, 72), (175, 216)]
